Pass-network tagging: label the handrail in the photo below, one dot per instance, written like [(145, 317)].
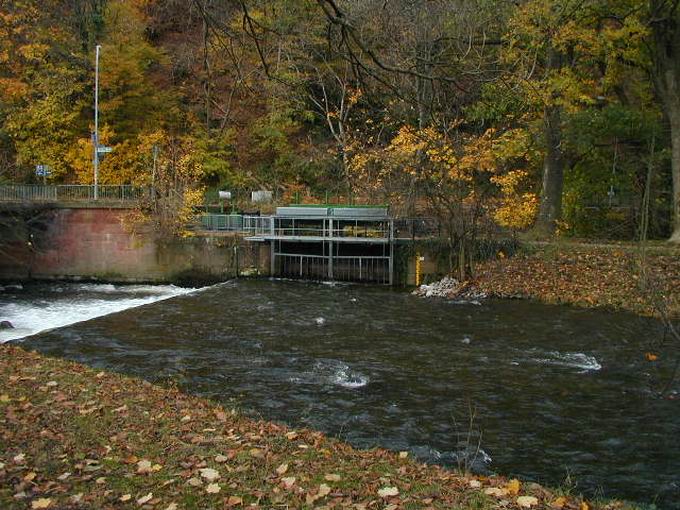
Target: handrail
[(70, 193)]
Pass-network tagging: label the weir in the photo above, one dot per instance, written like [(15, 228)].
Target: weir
[(336, 243), (61, 232)]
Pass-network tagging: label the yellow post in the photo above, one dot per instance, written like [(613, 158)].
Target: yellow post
[(419, 260)]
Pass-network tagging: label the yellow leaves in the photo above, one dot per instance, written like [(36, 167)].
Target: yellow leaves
[(517, 212), (408, 141), (41, 503), (282, 469), (354, 96), (513, 487), (559, 503), (34, 51)]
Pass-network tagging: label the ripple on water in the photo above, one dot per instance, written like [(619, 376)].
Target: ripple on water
[(334, 372), (579, 360)]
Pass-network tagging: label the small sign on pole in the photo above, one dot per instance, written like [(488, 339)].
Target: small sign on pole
[(261, 197), (103, 149), (43, 171)]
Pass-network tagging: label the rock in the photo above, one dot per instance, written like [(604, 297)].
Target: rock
[(450, 288), (6, 325)]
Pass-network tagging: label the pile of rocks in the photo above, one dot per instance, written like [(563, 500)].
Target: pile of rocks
[(442, 289), (450, 288)]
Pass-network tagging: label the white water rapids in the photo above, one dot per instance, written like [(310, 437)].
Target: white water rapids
[(66, 304)]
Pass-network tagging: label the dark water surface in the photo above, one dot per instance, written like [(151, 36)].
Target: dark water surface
[(556, 391)]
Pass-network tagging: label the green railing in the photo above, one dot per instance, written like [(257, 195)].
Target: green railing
[(230, 222), (70, 193), (253, 225)]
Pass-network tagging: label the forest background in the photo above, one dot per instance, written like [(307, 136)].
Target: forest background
[(549, 116)]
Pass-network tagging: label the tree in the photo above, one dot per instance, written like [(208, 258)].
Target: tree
[(176, 175), (664, 20), (545, 43)]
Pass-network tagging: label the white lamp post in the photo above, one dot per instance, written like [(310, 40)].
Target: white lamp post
[(95, 138)]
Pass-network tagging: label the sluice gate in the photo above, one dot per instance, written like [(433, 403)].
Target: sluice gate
[(331, 243)]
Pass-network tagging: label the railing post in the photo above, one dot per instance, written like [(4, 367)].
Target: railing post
[(391, 260), (330, 249)]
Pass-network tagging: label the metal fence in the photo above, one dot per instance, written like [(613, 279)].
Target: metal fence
[(28, 193), (229, 222), (258, 225), (364, 269), (70, 193), (253, 225)]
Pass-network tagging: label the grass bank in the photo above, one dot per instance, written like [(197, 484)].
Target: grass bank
[(589, 275), (73, 437)]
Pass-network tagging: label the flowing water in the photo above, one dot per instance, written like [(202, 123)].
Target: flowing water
[(514, 387)]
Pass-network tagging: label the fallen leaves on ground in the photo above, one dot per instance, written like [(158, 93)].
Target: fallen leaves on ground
[(213, 488), (526, 501), (144, 446), (387, 492), (584, 275)]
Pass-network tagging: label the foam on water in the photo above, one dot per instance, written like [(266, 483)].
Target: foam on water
[(579, 360), (347, 379), (334, 372), (89, 302)]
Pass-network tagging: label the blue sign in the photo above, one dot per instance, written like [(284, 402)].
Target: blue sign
[(42, 170)]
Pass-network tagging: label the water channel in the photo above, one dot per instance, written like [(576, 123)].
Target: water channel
[(555, 392)]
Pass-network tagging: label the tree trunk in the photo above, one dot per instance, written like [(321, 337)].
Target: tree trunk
[(675, 165), (550, 210), (666, 34)]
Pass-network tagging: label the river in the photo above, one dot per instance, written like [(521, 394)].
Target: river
[(546, 393)]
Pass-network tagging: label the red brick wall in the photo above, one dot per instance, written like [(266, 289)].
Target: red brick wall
[(94, 244)]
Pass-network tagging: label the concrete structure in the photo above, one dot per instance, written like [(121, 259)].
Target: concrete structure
[(94, 243), (60, 232)]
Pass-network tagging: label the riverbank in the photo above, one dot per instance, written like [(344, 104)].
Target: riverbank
[(74, 437), (579, 274)]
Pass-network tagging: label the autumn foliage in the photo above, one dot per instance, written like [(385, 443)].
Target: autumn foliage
[(511, 111)]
